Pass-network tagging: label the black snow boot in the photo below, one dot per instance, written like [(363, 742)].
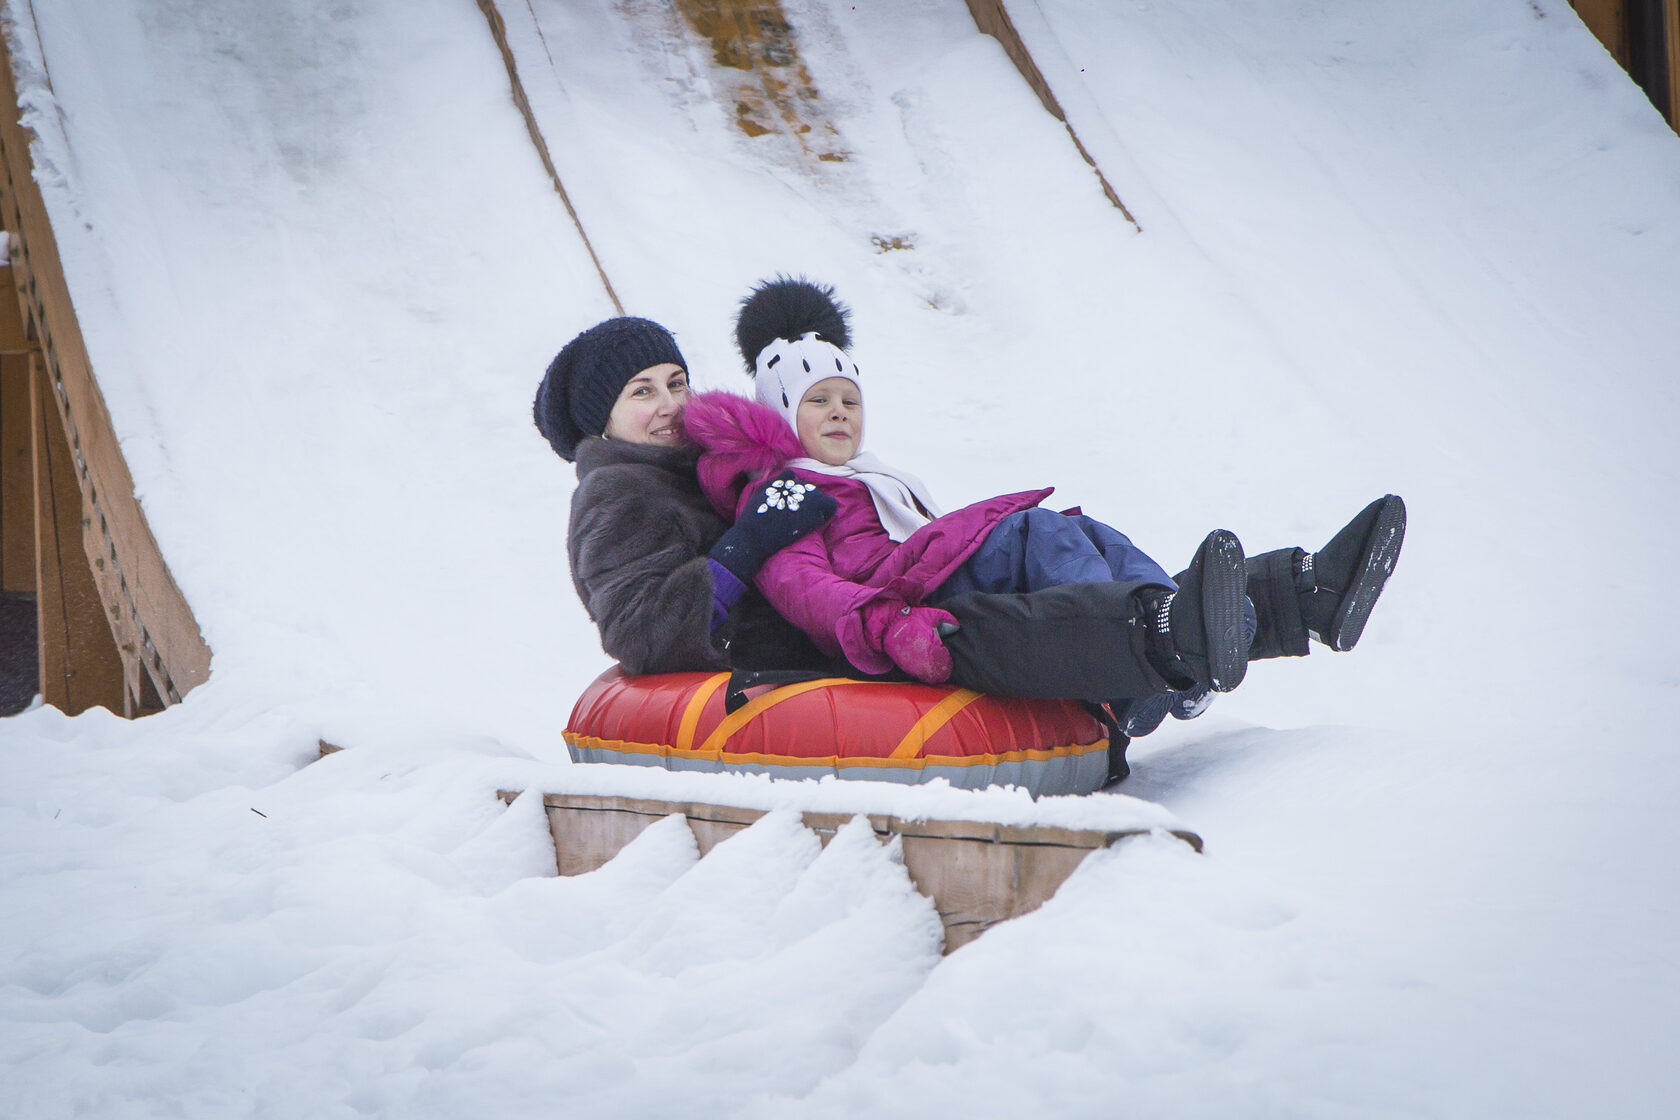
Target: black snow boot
[(1273, 588), (1328, 594), (1198, 635), (1341, 581)]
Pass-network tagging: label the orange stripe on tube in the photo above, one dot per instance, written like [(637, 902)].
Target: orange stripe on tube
[(932, 720), (750, 711), (696, 706)]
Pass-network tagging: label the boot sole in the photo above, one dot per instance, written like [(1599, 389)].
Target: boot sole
[(1382, 550), (1224, 586)]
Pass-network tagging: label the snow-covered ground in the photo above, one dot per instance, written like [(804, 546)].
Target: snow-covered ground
[(1429, 248)]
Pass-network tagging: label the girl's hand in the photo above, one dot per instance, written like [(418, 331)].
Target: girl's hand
[(781, 512), (910, 636)]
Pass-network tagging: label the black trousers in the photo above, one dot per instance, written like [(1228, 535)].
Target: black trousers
[(1078, 641)]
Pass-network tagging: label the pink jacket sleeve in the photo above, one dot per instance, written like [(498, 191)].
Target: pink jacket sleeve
[(800, 582)]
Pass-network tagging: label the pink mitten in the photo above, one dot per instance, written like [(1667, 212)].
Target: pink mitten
[(911, 639)]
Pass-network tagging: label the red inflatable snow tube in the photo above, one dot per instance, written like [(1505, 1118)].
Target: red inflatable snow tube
[(877, 730)]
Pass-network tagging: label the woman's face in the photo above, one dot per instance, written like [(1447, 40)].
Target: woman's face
[(650, 406), (830, 420)]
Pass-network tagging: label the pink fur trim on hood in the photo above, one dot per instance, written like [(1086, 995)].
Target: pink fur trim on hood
[(743, 441)]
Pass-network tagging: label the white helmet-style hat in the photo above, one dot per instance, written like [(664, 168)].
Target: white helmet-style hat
[(786, 370), (793, 333)]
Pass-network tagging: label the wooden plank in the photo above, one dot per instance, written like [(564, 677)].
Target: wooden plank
[(17, 476), (977, 873), (144, 609), (1606, 19), (79, 664), (970, 882), (586, 839), (992, 18), (826, 823), (498, 32)]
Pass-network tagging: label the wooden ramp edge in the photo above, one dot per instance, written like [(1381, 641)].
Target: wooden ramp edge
[(992, 17), (976, 873), (114, 629)]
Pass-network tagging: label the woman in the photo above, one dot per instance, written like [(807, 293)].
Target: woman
[(663, 577)]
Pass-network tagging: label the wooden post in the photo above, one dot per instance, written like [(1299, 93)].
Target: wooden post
[(80, 667)]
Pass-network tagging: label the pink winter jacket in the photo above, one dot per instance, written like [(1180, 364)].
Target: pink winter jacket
[(823, 581)]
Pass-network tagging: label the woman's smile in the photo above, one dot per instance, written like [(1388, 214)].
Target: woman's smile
[(649, 409)]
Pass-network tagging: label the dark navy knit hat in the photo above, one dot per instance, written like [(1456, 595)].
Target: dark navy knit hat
[(583, 381)]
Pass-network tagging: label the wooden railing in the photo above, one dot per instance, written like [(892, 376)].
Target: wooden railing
[(115, 629)]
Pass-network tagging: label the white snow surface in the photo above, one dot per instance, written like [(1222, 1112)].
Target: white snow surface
[(1428, 248)]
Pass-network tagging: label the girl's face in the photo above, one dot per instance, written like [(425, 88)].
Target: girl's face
[(650, 406), (830, 420)]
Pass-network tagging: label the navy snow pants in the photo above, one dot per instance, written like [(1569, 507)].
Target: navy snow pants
[(1038, 548)]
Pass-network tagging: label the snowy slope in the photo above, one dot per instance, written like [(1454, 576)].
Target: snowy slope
[(1426, 248)]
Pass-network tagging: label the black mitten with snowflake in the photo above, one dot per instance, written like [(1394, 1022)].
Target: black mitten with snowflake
[(782, 512)]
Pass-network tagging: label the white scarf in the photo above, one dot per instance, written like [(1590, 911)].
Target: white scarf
[(894, 492)]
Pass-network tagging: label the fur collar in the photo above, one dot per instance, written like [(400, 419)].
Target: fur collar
[(595, 452)]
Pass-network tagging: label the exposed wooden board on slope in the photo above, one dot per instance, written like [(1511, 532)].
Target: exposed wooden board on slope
[(498, 31), (976, 873), (775, 93), (163, 652), (992, 18)]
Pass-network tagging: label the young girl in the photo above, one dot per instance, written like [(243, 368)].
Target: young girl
[(867, 585)]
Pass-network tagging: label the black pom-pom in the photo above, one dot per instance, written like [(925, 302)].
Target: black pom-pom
[(788, 308)]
